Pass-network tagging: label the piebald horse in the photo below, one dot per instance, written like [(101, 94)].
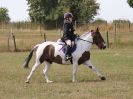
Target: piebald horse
[(50, 52)]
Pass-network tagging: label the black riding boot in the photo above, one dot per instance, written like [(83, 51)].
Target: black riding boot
[(68, 53)]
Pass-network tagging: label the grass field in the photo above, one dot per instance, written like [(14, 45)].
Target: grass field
[(115, 64)]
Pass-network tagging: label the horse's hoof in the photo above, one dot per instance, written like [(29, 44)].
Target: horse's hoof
[(103, 78), (75, 81), (27, 81), (49, 81)]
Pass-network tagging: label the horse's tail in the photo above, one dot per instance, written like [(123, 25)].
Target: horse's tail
[(28, 58)]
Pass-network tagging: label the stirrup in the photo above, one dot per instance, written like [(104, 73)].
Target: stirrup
[(68, 57)]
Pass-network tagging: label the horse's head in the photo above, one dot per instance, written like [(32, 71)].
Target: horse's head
[(98, 39)]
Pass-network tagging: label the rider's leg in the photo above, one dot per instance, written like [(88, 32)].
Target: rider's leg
[(68, 50)]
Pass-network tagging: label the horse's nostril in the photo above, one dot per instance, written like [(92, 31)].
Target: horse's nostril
[(104, 47)]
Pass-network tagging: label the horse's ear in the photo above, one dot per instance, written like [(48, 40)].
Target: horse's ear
[(97, 30)]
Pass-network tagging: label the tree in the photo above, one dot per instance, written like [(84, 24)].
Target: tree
[(84, 10), (130, 2), (53, 10), (42, 10), (4, 17)]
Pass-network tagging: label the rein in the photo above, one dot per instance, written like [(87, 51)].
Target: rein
[(84, 40)]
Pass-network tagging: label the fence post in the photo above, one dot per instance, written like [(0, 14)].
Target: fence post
[(129, 25), (107, 40), (44, 36), (14, 41), (8, 44), (40, 28), (8, 41), (115, 36)]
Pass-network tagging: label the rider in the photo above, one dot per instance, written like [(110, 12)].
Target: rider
[(68, 34)]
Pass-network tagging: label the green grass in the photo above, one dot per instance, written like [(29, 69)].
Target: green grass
[(115, 64)]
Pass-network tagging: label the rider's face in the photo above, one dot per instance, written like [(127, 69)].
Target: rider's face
[(70, 19)]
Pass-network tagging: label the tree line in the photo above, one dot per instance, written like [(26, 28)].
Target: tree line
[(45, 11), (51, 11)]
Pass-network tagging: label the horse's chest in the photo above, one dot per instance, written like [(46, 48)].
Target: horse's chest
[(84, 57)]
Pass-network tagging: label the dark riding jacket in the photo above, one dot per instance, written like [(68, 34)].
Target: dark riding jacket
[(68, 31)]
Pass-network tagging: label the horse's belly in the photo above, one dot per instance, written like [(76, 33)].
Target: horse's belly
[(60, 60)]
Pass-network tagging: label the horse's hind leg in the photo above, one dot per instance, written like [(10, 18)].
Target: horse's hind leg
[(45, 71), (33, 69), (89, 64)]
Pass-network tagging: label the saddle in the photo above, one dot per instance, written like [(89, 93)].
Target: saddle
[(63, 48)]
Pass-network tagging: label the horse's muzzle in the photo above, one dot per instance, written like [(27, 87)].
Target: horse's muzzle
[(104, 46)]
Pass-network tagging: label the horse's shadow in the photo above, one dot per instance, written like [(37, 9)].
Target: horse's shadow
[(80, 81), (94, 80)]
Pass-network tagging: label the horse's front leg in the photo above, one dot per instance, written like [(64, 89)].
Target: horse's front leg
[(74, 71), (89, 64)]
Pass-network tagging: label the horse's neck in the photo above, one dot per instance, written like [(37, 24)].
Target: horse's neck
[(85, 43)]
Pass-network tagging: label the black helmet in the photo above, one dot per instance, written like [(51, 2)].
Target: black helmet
[(68, 15)]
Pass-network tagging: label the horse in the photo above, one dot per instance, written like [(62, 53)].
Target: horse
[(49, 52)]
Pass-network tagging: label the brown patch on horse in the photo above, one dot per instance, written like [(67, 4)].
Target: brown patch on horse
[(85, 56), (58, 59), (48, 55)]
